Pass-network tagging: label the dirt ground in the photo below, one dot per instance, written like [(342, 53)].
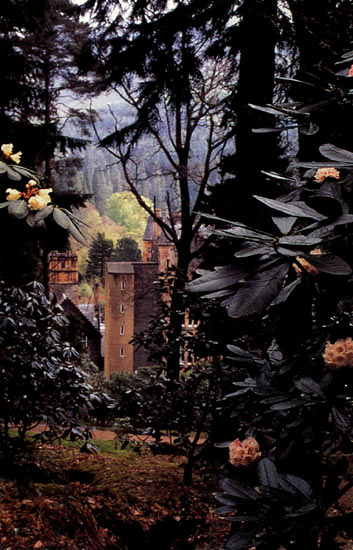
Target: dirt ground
[(67, 500)]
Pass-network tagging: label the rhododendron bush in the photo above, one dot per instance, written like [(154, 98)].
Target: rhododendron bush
[(288, 460)]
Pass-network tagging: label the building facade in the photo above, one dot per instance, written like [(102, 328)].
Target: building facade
[(63, 275), (131, 299)]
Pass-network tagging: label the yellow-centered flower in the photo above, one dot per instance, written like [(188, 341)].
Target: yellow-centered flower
[(13, 194)]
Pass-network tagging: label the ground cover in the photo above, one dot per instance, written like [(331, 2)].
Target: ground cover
[(64, 499)]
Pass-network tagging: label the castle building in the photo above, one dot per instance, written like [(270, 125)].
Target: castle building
[(131, 299), (63, 275)]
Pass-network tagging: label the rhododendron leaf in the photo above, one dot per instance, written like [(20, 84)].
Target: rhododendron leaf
[(270, 110), (288, 251), (43, 213), (258, 293), (299, 484), (241, 540), (12, 175), (30, 219), (336, 153), (223, 510), (244, 233), (276, 176), (269, 130), (341, 421), (3, 167), (286, 292), (19, 209), (312, 107), (299, 240), (4, 204), (288, 405), (298, 209), (273, 352), (238, 489), (252, 251), (308, 385), (267, 473), (284, 223), (329, 264), (76, 233), (239, 352), (240, 518), (25, 172), (274, 399), (294, 81), (218, 294), (61, 218), (218, 279)]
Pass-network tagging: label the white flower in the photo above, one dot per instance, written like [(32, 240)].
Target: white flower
[(12, 194), (36, 203), (6, 148), (16, 157), (44, 194), (32, 183)]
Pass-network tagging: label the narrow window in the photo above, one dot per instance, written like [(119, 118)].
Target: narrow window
[(63, 264), (122, 285), (122, 330), (122, 352), (122, 308)]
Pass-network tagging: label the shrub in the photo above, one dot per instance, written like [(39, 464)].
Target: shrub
[(40, 381)]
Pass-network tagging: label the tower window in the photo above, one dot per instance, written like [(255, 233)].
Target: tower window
[(122, 308), (122, 330), (122, 353), (122, 285), (63, 264)]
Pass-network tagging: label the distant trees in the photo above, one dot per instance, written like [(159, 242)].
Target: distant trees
[(126, 250), (123, 209)]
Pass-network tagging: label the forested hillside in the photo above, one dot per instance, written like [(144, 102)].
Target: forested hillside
[(95, 171)]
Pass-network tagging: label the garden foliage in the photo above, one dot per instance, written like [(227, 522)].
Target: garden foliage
[(40, 378), (294, 400)]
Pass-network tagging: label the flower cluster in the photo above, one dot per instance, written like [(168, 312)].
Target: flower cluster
[(7, 152), (339, 354), (306, 265), (323, 173), (36, 198), (244, 453)]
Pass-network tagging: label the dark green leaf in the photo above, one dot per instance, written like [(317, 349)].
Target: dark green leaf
[(4, 204), (288, 405), (61, 218), (30, 219), (267, 130), (218, 279), (302, 511), (76, 233), (267, 473), (3, 167), (308, 385), (299, 209), (43, 213), (329, 264), (299, 240), (238, 489), (284, 223), (270, 110), (341, 421), (336, 153), (258, 293), (19, 208), (253, 251), (12, 175), (308, 129), (299, 484), (293, 81), (286, 292), (239, 352)]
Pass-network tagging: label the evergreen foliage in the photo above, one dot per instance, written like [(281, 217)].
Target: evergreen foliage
[(126, 250), (99, 253)]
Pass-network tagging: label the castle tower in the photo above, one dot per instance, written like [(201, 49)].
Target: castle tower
[(63, 275)]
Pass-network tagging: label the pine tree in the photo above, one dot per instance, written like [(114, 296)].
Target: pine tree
[(126, 250), (99, 253)]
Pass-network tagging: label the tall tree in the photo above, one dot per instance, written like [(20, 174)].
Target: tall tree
[(99, 253), (126, 250), (157, 65)]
